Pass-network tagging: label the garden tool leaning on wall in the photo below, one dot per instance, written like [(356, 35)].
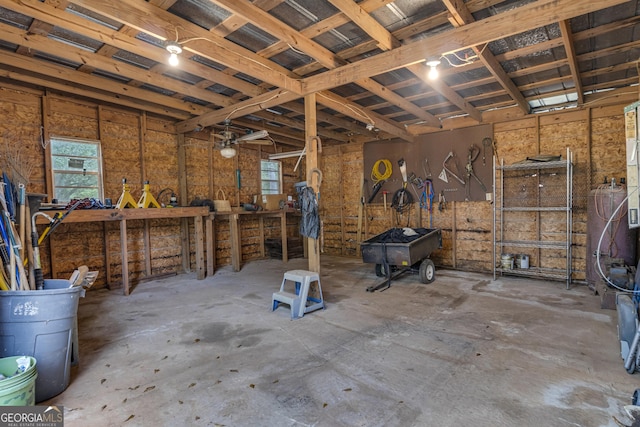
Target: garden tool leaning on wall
[(35, 240)]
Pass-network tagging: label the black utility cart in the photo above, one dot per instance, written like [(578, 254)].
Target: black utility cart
[(402, 250)]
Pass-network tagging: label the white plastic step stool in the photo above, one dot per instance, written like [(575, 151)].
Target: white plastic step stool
[(300, 302)]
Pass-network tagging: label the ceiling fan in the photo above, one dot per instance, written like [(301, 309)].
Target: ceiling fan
[(228, 138)]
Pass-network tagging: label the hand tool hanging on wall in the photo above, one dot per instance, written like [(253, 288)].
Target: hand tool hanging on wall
[(426, 168), (486, 142), (403, 172), (442, 201), (402, 199), (426, 199), (474, 151), (379, 177), (445, 170)]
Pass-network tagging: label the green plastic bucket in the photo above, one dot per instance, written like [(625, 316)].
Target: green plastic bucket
[(17, 389)]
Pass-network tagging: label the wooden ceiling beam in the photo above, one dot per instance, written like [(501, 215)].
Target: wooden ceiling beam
[(81, 56), (404, 34), (198, 40), (60, 73), (381, 123), (234, 22), (567, 38), (324, 26), (121, 40), (249, 106), (532, 15), (299, 124), (95, 90), (462, 16), (356, 131), (386, 41), (270, 24)]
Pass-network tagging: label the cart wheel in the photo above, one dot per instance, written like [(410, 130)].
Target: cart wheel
[(632, 368), (427, 271), (380, 270)]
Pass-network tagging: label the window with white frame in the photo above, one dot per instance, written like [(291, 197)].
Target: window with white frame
[(76, 168), (271, 176)]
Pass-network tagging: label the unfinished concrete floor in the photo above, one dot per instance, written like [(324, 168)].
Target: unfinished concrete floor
[(462, 351)]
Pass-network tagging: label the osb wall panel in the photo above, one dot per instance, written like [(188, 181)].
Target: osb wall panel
[(20, 130), (607, 145), (159, 155), (352, 164), (198, 160), (557, 132), (331, 201), (249, 167), (474, 241), (120, 142)]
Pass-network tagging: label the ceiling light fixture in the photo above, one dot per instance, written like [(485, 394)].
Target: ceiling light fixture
[(174, 49), (433, 69), (228, 152)]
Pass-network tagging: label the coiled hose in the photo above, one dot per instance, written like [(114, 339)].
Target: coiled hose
[(377, 175)]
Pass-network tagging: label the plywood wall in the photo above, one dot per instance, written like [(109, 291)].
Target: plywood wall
[(595, 136), (138, 146)]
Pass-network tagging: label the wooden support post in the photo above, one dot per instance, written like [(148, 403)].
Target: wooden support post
[(360, 214), (283, 234), (234, 235), (125, 256), (182, 195), (454, 232), (107, 255), (146, 234), (185, 251), (261, 236), (210, 237), (199, 242), (312, 147)]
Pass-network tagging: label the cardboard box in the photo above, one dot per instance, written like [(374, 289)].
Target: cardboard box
[(271, 202)]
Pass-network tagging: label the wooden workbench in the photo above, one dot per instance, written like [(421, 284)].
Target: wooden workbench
[(234, 235), (123, 215)]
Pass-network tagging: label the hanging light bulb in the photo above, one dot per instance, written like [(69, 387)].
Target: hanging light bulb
[(433, 69), (174, 49), (228, 152)]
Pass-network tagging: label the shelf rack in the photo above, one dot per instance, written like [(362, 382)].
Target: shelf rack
[(528, 195)]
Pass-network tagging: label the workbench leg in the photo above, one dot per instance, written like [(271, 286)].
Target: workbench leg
[(125, 256), (210, 244), (236, 249), (199, 236), (261, 236), (186, 247), (107, 255), (147, 248), (283, 233)]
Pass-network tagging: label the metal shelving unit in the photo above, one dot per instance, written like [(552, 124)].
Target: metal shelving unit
[(527, 195)]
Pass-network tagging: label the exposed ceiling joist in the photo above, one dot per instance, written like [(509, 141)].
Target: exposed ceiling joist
[(530, 16), (460, 15), (567, 37), (364, 60), (328, 59)]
